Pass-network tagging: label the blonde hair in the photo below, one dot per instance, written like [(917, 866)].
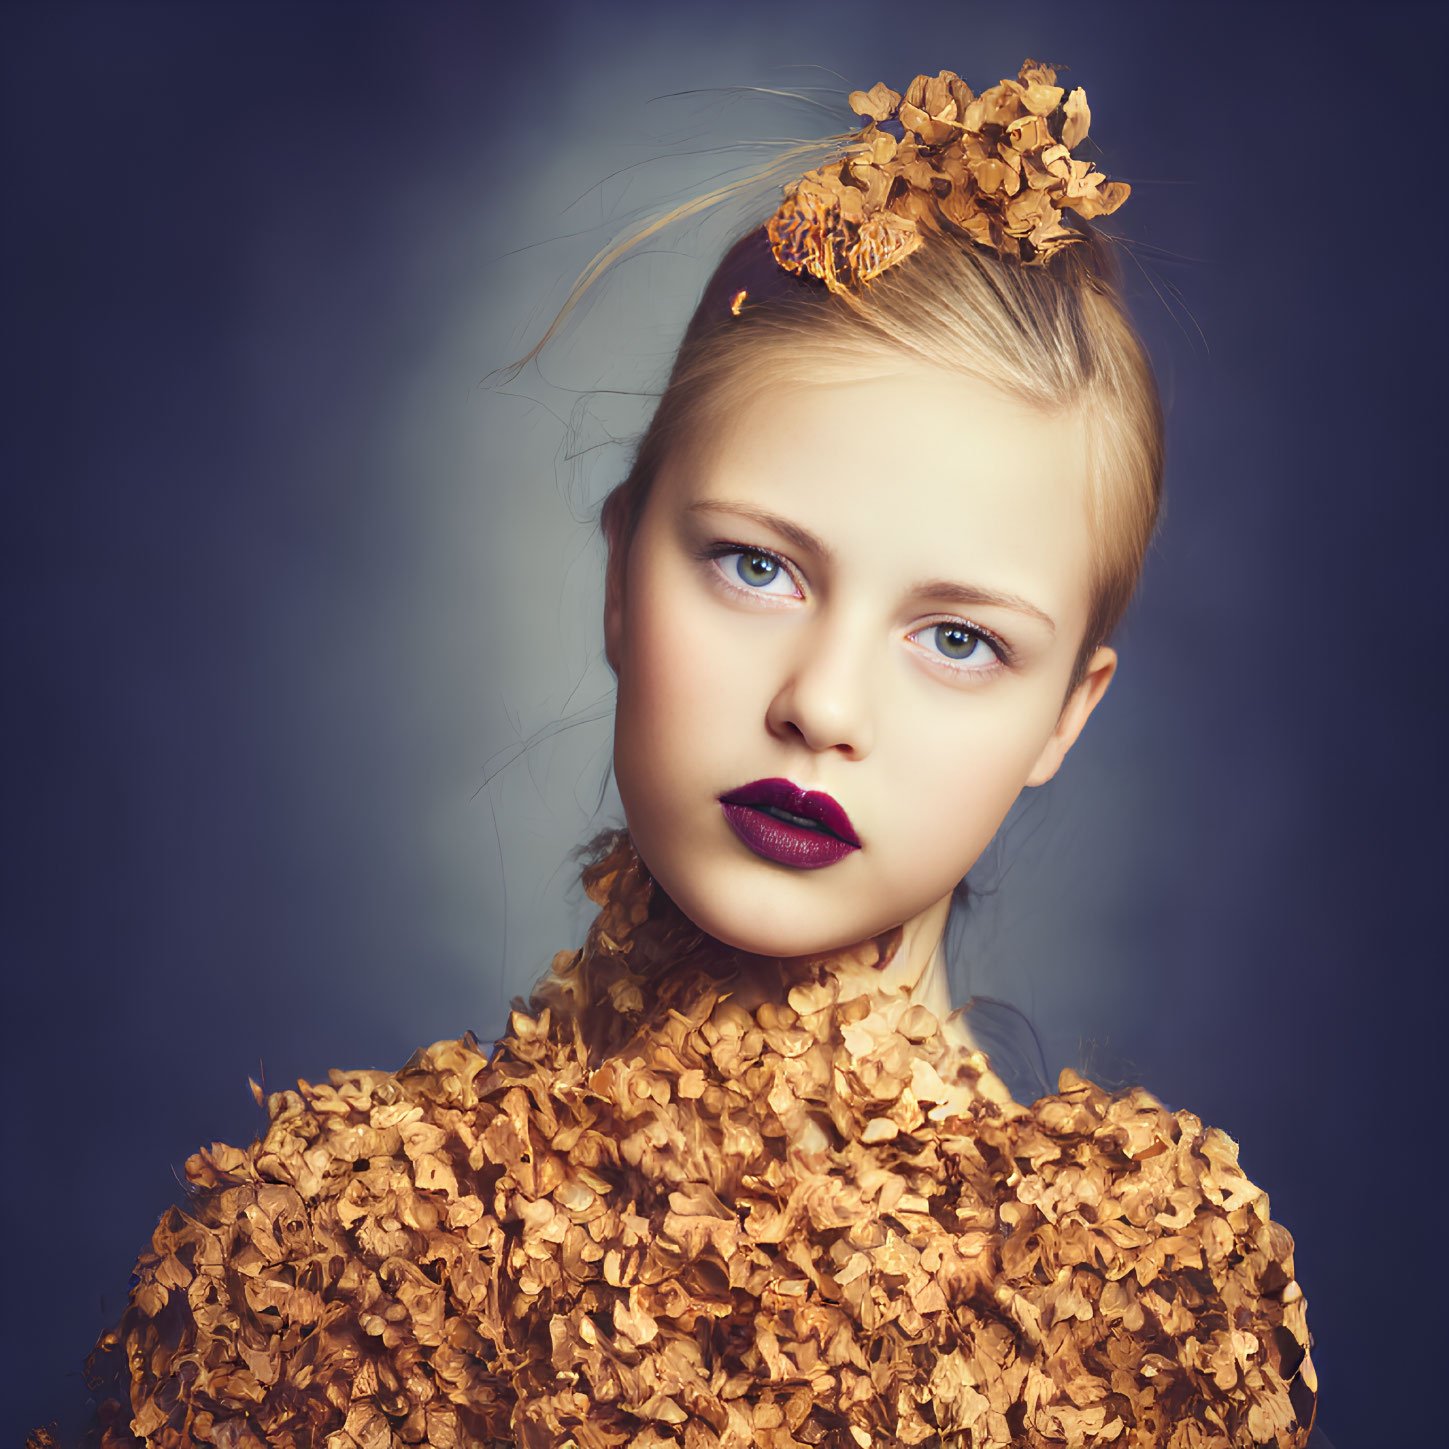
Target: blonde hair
[(1054, 334)]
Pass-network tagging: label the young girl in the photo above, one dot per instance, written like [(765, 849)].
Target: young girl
[(738, 1174)]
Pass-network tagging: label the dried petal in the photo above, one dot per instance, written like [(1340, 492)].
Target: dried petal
[(879, 102)]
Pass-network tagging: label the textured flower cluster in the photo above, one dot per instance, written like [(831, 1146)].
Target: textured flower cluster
[(654, 1217), (997, 166)]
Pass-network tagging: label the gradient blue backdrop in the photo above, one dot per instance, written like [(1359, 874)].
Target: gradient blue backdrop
[(284, 586)]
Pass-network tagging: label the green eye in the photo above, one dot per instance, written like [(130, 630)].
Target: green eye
[(956, 641), (756, 569)]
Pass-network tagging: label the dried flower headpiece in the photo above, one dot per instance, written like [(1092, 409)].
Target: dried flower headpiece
[(999, 166)]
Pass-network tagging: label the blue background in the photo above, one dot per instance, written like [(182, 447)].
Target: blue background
[(286, 583)]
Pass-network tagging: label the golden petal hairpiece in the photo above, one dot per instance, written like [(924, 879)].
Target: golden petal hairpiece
[(997, 166)]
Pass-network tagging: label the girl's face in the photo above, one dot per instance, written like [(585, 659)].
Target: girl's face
[(873, 590)]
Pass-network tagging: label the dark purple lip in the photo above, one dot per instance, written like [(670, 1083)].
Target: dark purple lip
[(813, 805)]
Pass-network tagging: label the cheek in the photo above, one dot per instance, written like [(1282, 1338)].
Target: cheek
[(683, 698), (957, 773)]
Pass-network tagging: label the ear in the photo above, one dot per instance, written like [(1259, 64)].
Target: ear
[(614, 598), (1080, 703)]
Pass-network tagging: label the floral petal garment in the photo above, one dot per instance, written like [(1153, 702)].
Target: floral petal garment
[(650, 1216)]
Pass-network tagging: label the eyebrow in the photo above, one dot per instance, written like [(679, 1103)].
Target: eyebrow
[(944, 589)]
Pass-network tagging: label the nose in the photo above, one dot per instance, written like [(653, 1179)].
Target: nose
[(826, 693)]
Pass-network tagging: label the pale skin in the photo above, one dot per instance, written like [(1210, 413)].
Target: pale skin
[(875, 588)]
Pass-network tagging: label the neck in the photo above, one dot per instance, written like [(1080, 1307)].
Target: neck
[(916, 960), (914, 973), (902, 968)]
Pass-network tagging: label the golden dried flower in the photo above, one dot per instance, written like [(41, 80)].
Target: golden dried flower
[(997, 167), (653, 1217)]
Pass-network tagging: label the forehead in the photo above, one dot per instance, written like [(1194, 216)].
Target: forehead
[(912, 473)]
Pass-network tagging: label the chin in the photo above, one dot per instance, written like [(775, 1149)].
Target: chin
[(764, 911), (756, 937)]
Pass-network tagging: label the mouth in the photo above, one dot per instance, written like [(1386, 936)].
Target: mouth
[(805, 829), (804, 821)]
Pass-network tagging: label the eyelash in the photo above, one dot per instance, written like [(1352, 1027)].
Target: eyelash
[(718, 552)]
